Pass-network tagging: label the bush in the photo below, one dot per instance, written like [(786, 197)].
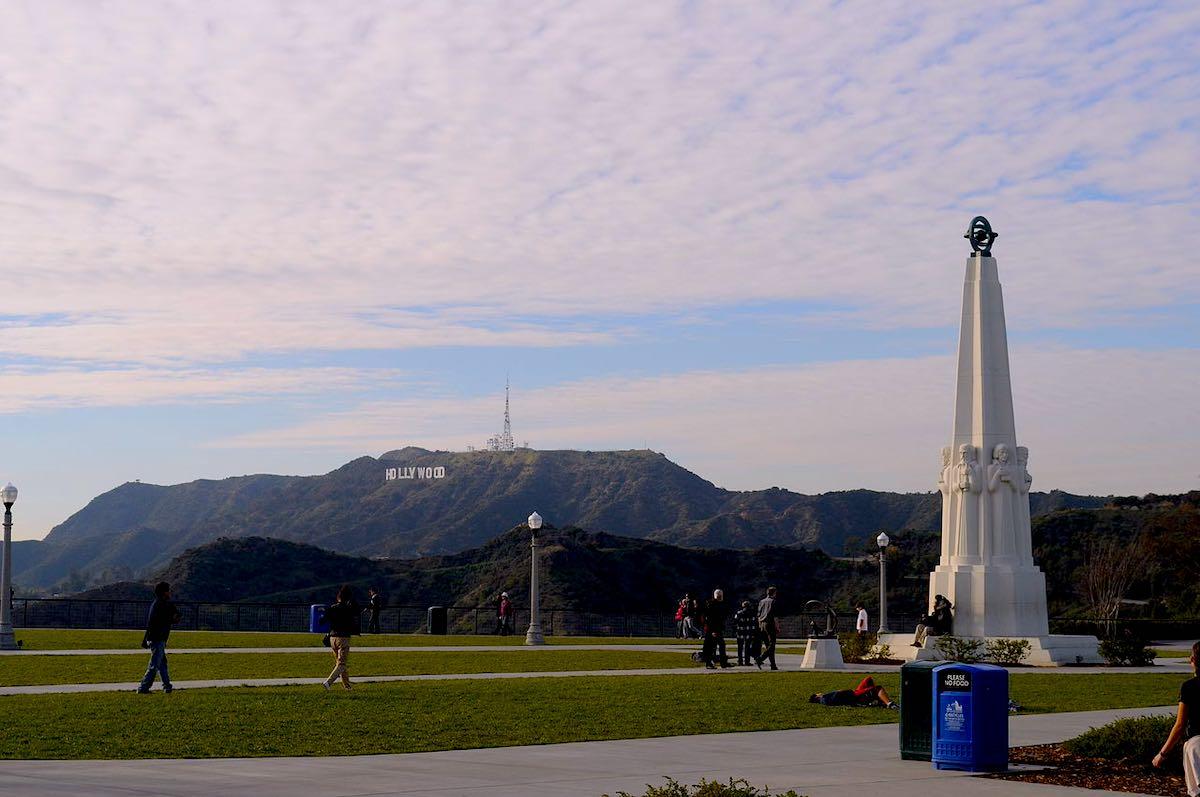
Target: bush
[(1127, 650), (1131, 739), (1007, 651), (856, 648), (879, 652), (954, 648), (707, 788)]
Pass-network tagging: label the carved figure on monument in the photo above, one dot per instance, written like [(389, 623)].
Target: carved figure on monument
[(944, 476), (1004, 484), (968, 483), (968, 470), (1024, 543)]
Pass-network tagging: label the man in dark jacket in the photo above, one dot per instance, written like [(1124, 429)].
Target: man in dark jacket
[(715, 614), (344, 619), (163, 615)]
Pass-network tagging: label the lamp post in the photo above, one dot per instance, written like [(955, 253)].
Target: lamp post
[(534, 635), (883, 541), (7, 642)]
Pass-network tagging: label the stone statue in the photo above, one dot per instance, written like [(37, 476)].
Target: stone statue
[(945, 479), (1024, 543), (1023, 464), (967, 482), (968, 470), (1004, 484)]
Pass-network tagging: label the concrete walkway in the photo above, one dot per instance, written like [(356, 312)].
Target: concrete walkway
[(825, 762)]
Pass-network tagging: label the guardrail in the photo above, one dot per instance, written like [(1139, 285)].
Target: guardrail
[(402, 619)]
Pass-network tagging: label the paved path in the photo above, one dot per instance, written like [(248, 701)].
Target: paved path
[(824, 762)]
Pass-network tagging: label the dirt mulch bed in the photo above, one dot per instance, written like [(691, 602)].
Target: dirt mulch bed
[(1069, 769)]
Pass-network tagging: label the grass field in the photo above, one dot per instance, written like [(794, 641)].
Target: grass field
[(441, 715), (86, 639), (1172, 654), (26, 670)]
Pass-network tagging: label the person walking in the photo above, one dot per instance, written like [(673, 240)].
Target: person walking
[(163, 614), (1187, 728), (375, 604), (715, 615), (690, 615), (861, 623), (680, 613), (768, 628), (343, 617), (745, 626), (504, 615)]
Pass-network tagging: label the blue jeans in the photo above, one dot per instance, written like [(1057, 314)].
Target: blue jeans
[(158, 664)]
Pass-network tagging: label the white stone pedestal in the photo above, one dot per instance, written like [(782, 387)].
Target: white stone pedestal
[(823, 654)]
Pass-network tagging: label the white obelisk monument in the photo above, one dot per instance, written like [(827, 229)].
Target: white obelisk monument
[(986, 568)]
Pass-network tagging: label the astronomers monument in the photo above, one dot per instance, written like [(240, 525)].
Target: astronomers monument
[(986, 568)]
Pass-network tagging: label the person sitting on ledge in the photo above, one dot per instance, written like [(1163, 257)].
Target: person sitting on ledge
[(1187, 728), (864, 695), (936, 623)]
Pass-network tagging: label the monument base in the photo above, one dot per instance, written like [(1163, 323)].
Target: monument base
[(1051, 650), (993, 600), (823, 654)]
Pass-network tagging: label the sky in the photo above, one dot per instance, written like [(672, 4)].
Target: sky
[(271, 237)]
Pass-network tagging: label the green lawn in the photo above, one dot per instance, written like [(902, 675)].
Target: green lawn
[(1172, 654), (442, 715), (24, 670), (86, 639)]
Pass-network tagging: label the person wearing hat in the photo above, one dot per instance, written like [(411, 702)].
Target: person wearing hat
[(504, 615)]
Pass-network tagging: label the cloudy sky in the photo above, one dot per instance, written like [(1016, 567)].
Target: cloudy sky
[(269, 237)]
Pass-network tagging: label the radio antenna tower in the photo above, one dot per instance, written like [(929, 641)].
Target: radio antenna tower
[(507, 435), (504, 440)]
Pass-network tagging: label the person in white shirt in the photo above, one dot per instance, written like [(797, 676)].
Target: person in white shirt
[(860, 625)]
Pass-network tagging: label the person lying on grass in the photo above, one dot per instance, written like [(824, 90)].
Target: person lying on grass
[(866, 694)]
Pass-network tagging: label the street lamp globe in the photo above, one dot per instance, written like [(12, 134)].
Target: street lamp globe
[(882, 539), (9, 495), (535, 520)]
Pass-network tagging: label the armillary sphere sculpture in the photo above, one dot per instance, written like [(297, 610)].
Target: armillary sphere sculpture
[(981, 236), (830, 620)]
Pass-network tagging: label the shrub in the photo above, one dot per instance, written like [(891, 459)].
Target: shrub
[(1131, 739), (1007, 651), (955, 648), (707, 788), (879, 652), (1127, 649), (855, 647)]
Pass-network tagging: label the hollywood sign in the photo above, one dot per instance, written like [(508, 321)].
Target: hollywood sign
[(438, 472)]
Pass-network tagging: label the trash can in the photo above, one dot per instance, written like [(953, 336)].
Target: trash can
[(437, 620), (970, 717), (317, 624), (916, 718)]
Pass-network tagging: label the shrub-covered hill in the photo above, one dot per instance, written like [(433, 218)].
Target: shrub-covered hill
[(356, 510), (583, 571)]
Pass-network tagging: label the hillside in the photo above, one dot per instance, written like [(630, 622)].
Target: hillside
[(355, 510), (582, 571), (599, 572)]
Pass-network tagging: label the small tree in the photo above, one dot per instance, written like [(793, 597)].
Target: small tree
[(1109, 569)]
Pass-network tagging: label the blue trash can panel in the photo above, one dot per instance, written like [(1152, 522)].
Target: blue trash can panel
[(970, 717), (317, 624)]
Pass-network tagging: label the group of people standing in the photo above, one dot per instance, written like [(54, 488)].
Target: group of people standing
[(756, 627)]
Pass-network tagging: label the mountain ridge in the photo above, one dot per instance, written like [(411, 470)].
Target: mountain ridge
[(356, 509)]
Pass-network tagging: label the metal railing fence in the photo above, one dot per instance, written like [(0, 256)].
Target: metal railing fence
[(407, 619)]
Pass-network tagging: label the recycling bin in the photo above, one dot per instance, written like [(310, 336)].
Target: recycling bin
[(437, 620), (916, 719), (970, 717), (317, 624)]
